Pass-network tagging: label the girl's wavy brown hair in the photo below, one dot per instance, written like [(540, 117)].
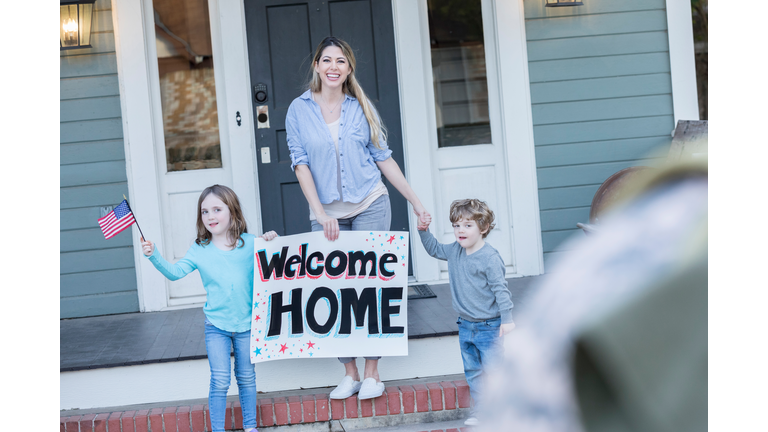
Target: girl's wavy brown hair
[(237, 226), (476, 210)]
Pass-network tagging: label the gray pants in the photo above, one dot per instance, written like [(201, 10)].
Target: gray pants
[(377, 217)]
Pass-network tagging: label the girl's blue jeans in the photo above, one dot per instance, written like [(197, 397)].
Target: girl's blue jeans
[(480, 347), (218, 344)]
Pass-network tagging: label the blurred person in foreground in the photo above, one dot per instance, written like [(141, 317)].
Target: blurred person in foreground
[(615, 338)]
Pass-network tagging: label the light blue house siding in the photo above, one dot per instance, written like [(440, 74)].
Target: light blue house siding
[(601, 95), (97, 275)]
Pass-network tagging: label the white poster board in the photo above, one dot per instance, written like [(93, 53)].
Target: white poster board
[(315, 298)]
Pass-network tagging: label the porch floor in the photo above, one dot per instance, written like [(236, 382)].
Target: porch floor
[(156, 337)]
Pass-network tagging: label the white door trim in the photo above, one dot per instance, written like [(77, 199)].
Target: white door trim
[(237, 81), (139, 132), (414, 79), (682, 60), (517, 126), (139, 141), (412, 64)]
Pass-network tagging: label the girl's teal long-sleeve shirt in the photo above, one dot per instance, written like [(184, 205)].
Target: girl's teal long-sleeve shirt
[(227, 278)]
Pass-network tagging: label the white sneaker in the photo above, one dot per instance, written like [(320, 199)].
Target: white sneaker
[(346, 388), (370, 389), (472, 421)]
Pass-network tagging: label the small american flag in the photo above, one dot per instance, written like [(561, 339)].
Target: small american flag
[(117, 220)]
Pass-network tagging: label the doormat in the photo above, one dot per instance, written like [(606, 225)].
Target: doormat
[(416, 292)]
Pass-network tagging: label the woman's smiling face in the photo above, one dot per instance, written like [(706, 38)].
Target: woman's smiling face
[(333, 68)]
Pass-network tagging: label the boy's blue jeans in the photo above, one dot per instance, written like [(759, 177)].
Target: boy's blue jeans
[(218, 344), (481, 347)]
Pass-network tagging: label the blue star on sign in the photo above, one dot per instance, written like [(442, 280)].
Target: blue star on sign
[(255, 305), (257, 351)]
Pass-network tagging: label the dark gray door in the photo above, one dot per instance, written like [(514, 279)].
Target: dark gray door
[(282, 35)]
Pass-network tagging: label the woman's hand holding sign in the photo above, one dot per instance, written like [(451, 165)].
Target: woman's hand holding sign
[(330, 226)]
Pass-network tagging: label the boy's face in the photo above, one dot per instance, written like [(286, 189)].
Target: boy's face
[(468, 233)]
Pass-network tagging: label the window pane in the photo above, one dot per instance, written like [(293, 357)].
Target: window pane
[(187, 87), (458, 72)]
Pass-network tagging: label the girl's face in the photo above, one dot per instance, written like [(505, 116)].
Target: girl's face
[(333, 68), (468, 234), (215, 215)]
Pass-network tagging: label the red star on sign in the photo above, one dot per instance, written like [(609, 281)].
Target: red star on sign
[(310, 345), (283, 347), (257, 318), (391, 239)]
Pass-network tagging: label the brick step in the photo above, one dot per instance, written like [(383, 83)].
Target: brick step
[(397, 403)]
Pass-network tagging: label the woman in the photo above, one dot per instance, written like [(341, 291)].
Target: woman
[(338, 152)]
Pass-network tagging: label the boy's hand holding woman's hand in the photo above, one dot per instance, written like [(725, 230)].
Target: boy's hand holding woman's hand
[(424, 218)]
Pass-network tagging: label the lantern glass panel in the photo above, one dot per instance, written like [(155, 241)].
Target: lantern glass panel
[(86, 12), (68, 26)]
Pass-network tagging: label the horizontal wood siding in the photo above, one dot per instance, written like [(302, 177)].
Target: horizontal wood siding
[(97, 275), (601, 97)]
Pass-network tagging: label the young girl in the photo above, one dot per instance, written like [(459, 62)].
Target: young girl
[(223, 254)]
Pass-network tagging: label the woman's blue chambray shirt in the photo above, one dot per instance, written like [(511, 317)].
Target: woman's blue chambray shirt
[(311, 144)]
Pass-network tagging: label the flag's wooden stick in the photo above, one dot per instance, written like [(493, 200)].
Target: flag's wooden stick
[(134, 217)]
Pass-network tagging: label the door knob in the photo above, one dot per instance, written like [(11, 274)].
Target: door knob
[(262, 117)]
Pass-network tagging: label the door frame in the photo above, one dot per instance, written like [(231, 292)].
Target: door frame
[(415, 79), (138, 102)]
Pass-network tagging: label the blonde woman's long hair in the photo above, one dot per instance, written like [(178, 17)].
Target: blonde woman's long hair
[(351, 87)]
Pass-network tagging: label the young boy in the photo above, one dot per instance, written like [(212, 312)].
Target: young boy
[(478, 290)]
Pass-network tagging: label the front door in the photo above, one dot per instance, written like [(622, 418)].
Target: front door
[(469, 159), (193, 133), (282, 36)]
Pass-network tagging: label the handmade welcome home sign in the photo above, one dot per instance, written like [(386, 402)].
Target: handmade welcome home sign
[(316, 298)]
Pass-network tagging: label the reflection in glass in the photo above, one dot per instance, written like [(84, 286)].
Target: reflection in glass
[(187, 87), (458, 72)]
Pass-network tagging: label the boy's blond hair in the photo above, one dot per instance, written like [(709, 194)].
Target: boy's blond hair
[(473, 209)]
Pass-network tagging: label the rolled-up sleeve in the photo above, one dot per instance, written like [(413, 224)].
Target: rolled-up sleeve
[(295, 146), (382, 154)]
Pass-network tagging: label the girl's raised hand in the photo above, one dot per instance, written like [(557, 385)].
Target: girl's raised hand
[(269, 235), (147, 247)]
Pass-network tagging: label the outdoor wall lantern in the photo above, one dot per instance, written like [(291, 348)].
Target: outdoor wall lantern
[(75, 23), (552, 3)]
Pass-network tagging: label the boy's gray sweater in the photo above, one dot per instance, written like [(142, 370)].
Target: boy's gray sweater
[(478, 287)]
